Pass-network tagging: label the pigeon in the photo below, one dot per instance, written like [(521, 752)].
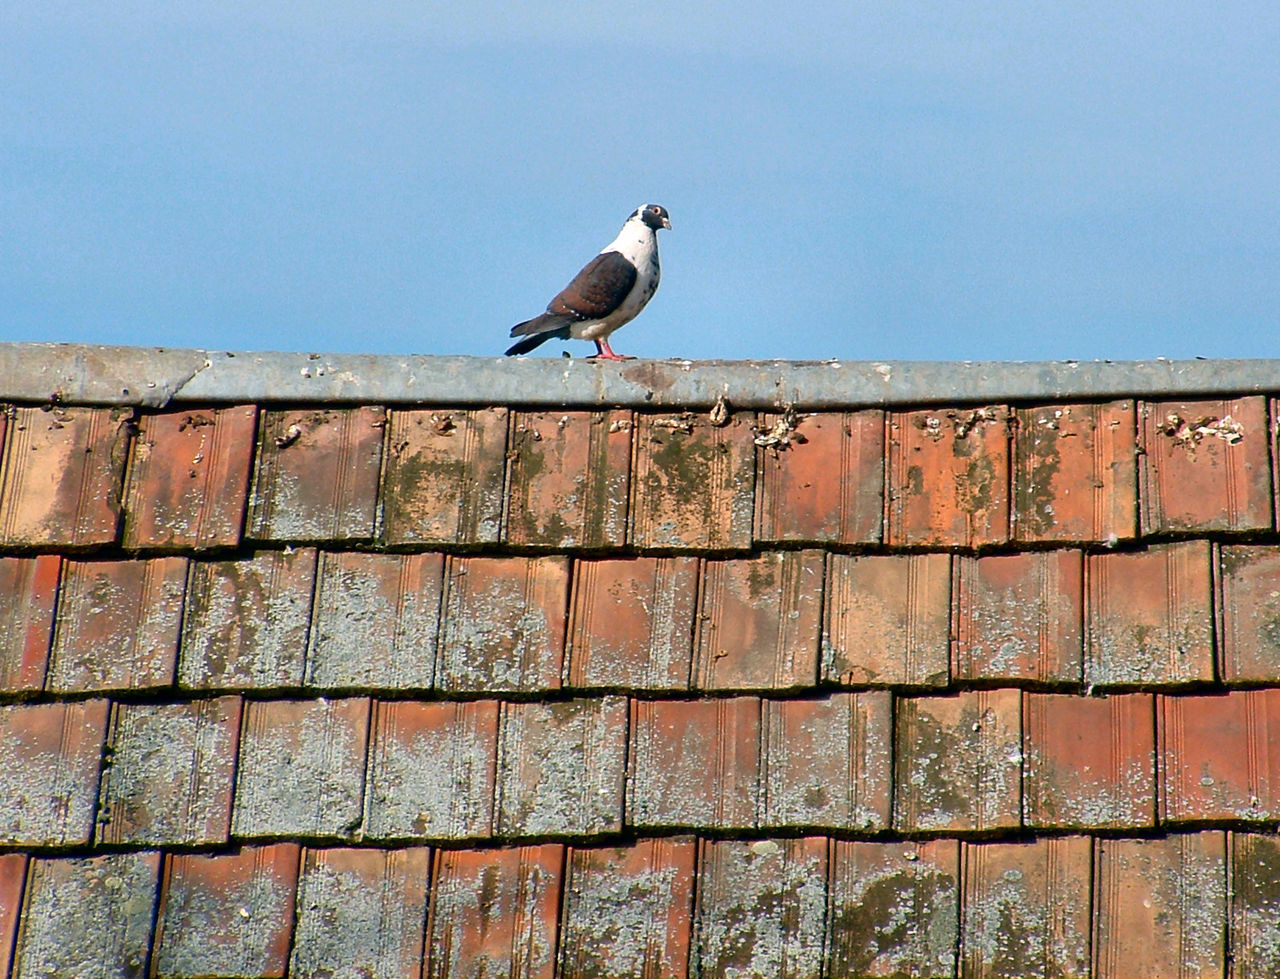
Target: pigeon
[(608, 293)]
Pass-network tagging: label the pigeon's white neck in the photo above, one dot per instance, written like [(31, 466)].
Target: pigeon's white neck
[(637, 242)]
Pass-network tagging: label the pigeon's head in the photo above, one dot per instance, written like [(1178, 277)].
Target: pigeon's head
[(654, 215)]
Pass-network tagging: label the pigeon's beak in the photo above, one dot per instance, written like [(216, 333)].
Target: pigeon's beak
[(666, 223)]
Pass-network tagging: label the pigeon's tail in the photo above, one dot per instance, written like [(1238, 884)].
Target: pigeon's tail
[(539, 330)]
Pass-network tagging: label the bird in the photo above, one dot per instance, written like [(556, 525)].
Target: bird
[(608, 293)]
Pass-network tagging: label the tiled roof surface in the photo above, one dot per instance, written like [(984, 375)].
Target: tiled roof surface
[(448, 691)]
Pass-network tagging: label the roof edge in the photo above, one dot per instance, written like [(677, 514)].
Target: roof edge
[(156, 377)]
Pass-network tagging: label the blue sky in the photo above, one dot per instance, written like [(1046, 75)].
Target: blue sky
[(908, 181)]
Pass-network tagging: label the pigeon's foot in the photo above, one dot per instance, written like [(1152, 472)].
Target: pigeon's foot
[(605, 352)]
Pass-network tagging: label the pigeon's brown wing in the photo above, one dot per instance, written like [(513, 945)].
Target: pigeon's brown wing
[(597, 290)]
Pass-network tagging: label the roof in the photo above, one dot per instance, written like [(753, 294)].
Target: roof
[(448, 667)]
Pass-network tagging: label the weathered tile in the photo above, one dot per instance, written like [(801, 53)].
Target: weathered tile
[(494, 913), (948, 482), (61, 475), (959, 762), (316, 474), (759, 622), (301, 768), (88, 916), (761, 908), (1217, 756), (694, 763), (1026, 909), (28, 590), (1249, 640), (1255, 905), (189, 478), (628, 910), (631, 623), (693, 482), (504, 624), (228, 914), (431, 770), (376, 621), (1205, 465), (444, 476), (246, 621), (13, 879), (1075, 473), (1090, 761), (361, 913), (1160, 905), (1019, 617), (827, 762), (51, 756), (888, 620), (117, 624), (169, 773), (828, 486), (1150, 616), (894, 909), (561, 767), (570, 478)]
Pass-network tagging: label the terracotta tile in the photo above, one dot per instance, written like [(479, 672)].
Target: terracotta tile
[(561, 767), (13, 879), (444, 476), (189, 478), (316, 474), (1250, 611), (894, 908), (828, 762), (1075, 473), (1255, 905), (1150, 616), (228, 914), (631, 623), (1205, 465), (88, 916), (361, 913), (1019, 617), (694, 763), (799, 496), (504, 624), (52, 757), (1160, 906), (761, 908), (61, 475), (759, 622), (28, 590), (431, 770), (1026, 908), (168, 778), (959, 762), (628, 910), (888, 620), (948, 477), (570, 478), (494, 913), (246, 621), (1090, 761), (1220, 756), (376, 619), (693, 483), (117, 624), (301, 768)]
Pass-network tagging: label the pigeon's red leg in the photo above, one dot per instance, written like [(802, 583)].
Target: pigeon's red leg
[(605, 352)]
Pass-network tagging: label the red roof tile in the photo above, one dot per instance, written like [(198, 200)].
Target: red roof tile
[(1255, 905), (227, 914), (13, 879), (26, 620), (759, 622), (826, 487), (188, 478), (1249, 640), (444, 476), (570, 478)]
